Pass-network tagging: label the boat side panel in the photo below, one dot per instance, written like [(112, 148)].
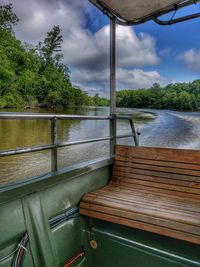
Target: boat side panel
[(12, 228), (121, 246), (48, 247)]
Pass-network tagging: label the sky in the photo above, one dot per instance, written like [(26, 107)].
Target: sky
[(146, 53)]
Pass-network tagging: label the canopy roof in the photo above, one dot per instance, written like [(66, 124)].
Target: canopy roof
[(138, 11)]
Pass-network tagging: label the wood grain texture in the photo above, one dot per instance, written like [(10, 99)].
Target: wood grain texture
[(152, 189)]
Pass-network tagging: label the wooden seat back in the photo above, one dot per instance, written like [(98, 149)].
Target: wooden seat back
[(172, 171)]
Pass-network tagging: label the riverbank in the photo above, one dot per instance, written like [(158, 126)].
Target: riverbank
[(176, 96)]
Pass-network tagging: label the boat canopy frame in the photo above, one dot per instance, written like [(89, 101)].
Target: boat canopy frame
[(106, 8)]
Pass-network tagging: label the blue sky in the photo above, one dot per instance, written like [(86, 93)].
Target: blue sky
[(177, 38), (171, 42), (146, 53)]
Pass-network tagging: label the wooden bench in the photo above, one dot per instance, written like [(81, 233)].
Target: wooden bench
[(153, 189)]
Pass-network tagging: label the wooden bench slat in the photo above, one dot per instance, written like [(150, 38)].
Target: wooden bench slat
[(143, 226), (152, 194), (185, 216), (146, 200), (185, 204), (118, 172), (178, 188), (166, 169), (162, 174), (169, 154), (152, 189), (174, 215), (143, 218), (134, 159)]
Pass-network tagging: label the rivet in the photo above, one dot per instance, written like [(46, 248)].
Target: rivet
[(93, 244)]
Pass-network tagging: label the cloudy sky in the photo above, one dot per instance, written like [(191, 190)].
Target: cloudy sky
[(146, 53)]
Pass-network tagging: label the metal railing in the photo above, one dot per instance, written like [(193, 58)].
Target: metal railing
[(54, 135)]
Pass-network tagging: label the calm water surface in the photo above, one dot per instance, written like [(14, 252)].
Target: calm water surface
[(158, 128)]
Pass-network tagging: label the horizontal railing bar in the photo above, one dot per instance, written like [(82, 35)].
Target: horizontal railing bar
[(125, 135), (121, 117), (25, 150), (17, 116), (84, 142), (46, 147)]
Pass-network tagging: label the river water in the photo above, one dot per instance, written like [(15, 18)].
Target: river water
[(162, 128)]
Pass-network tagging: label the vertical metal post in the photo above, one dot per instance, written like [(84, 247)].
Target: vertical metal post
[(135, 137), (54, 141), (113, 127)]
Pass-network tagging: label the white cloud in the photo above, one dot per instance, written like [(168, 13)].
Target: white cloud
[(135, 50), (191, 58), (91, 51), (137, 78), (126, 79), (87, 53), (81, 46), (165, 52)]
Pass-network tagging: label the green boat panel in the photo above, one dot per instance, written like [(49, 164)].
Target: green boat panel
[(31, 210), (67, 238), (120, 246), (11, 214), (117, 245), (62, 196), (39, 232), (12, 225), (28, 261)]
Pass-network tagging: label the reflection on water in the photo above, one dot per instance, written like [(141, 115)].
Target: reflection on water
[(158, 128), (19, 133)]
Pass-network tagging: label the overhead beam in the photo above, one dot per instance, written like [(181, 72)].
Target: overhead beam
[(177, 20), (153, 16)]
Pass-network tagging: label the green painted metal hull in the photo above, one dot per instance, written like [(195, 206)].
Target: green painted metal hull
[(125, 247), (30, 206)]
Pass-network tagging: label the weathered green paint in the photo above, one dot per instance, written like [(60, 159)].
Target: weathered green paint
[(29, 207), (119, 246), (32, 211), (42, 246)]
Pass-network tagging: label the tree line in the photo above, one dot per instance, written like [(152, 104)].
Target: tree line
[(178, 96), (35, 76)]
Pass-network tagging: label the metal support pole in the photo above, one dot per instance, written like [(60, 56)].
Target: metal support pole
[(54, 141), (113, 127), (135, 137), (113, 134)]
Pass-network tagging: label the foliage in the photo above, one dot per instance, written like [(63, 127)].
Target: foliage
[(50, 49), (100, 101), (178, 96), (7, 17), (32, 76)]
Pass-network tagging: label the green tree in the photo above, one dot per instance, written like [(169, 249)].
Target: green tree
[(179, 96), (51, 47), (7, 17)]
